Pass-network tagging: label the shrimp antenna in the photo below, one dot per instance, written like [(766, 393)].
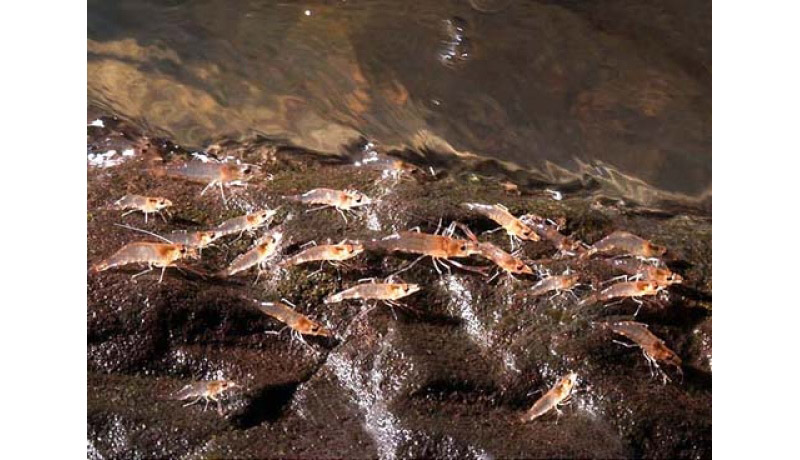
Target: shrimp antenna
[(144, 231)]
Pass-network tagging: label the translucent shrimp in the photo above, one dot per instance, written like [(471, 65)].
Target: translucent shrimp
[(556, 396), (146, 204), (653, 348), (548, 230), (439, 248), (375, 291), (325, 253), (507, 262), (627, 243), (341, 200), (208, 391), (210, 173), (299, 324), (558, 283), (515, 229), (198, 239), (627, 289), (260, 254), (161, 255), (246, 223), (639, 270)]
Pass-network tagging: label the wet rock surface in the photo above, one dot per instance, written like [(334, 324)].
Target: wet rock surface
[(447, 377)]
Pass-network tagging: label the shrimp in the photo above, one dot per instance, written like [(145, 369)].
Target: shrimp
[(208, 391), (627, 243), (653, 348), (299, 324), (199, 239), (549, 230), (342, 200), (263, 250), (643, 271), (389, 165), (513, 226), (556, 396), (632, 289), (153, 254), (325, 253), (145, 204), (439, 248), (246, 223), (211, 173), (556, 283), (507, 262), (388, 292)]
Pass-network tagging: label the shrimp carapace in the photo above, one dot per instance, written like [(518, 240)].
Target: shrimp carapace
[(161, 255), (621, 242), (145, 204), (556, 396), (298, 322)]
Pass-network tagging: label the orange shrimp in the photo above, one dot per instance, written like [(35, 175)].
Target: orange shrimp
[(556, 283), (199, 239), (246, 223), (627, 243), (504, 260), (632, 289), (260, 254), (299, 324), (208, 391), (211, 173), (643, 271), (499, 213), (389, 292), (145, 204), (326, 252), (153, 254), (653, 348), (439, 248), (549, 230), (555, 397), (341, 200)]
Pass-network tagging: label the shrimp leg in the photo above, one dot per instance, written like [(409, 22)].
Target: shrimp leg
[(210, 184), (193, 402)]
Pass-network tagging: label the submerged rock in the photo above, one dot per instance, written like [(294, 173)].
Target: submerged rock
[(446, 377)]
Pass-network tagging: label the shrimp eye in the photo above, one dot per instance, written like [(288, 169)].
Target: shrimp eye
[(463, 247), (183, 250), (246, 170)]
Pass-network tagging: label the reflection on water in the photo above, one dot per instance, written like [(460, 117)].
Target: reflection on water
[(616, 90)]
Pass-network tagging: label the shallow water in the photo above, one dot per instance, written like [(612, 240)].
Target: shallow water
[(614, 95)]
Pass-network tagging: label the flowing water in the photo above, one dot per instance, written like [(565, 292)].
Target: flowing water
[(615, 95)]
